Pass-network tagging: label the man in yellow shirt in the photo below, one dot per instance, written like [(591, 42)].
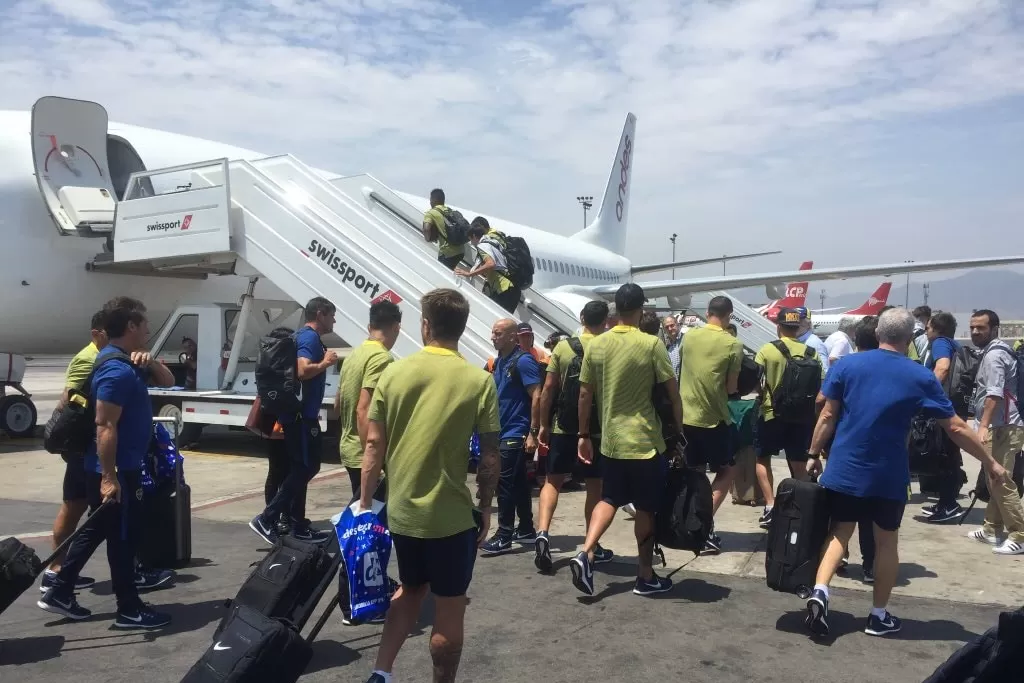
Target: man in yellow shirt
[(710, 369), (424, 411), (75, 490), (435, 228), (620, 369), (561, 439), (775, 435), (491, 265)]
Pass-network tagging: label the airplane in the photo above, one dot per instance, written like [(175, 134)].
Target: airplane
[(824, 325), (51, 292), (794, 296)]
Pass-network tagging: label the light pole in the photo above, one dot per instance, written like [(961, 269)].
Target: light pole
[(926, 288), (672, 239), (587, 203), (724, 259), (822, 297), (906, 303)]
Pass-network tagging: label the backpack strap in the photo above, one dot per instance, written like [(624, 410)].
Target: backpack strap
[(810, 353), (87, 385), (576, 345), (782, 348)]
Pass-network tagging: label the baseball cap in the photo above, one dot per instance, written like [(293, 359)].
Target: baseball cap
[(524, 328), (790, 317), (630, 297)]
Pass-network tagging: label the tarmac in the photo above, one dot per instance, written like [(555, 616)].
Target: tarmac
[(719, 623)]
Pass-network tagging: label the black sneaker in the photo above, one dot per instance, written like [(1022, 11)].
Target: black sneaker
[(68, 608), (148, 579), (582, 573), (602, 555), (375, 678), (656, 585), (49, 576), (869, 576), (817, 613), (268, 532), (929, 510), (141, 617), (498, 545), (542, 546), (713, 544), (951, 513), (311, 535), (766, 518), (884, 626), (524, 537)]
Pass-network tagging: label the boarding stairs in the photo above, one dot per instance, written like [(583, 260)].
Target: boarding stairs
[(752, 328)]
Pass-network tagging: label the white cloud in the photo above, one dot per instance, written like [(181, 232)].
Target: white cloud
[(759, 119)]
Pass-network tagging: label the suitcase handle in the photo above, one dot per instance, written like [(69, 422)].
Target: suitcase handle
[(67, 541)]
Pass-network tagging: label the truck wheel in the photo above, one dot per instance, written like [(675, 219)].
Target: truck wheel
[(188, 432), (18, 416)]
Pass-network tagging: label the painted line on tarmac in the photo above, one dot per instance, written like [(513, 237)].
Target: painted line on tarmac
[(206, 505)]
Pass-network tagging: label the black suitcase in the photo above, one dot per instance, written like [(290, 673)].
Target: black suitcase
[(289, 582), (254, 648), (799, 529), (166, 542)]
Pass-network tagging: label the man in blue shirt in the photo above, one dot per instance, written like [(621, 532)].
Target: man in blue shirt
[(871, 398), (805, 335), (124, 427), (518, 377), (302, 434)]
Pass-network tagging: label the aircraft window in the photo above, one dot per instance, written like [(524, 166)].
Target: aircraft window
[(561, 267), (123, 160)]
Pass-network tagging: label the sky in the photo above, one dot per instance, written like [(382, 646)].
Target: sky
[(847, 131)]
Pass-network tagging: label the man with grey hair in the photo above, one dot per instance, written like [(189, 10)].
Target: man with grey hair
[(840, 342), (877, 393)]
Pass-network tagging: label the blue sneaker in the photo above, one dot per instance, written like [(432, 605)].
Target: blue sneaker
[(148, 579), (582, 573), (602, 555), (656, 585), (524, 536), (142, 617), (268, 532), (817, 613), (498, 545), (67, 608), (311, 535), (49, 576), (883, 626)]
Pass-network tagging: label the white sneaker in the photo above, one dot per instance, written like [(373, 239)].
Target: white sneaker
[(982, 537), (1009, 547)]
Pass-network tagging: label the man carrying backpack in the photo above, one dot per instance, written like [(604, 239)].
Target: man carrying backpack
[(792, 379), (518, 379), (302, 434), (559, 425), (491, 265), (448, 228)]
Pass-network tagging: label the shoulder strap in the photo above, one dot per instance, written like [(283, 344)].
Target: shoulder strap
[(783, 349), (576, 345), (810, 353), (124, 357)]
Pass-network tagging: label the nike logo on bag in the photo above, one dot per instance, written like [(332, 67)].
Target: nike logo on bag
[(218, 647), (276, 564)]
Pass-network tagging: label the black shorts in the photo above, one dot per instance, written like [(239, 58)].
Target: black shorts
[(885, 512), (446, 564), (709, 446), (75, 482), (775, 436), (563, 458), (640, 482)]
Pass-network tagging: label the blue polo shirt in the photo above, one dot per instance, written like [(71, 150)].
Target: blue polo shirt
[(880, 392), (942, 347), (513, 400), (124, 385), (310, 347)]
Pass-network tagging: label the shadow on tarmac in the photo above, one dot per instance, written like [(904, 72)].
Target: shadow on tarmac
[(843, 624)]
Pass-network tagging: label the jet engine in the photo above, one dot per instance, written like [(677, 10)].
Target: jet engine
[(775, 290), (679, 302)]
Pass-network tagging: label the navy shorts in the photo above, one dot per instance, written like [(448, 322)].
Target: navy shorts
[(709, 446), (776, 436), (446, 564), (885, 512), (640, 482), (75, 482), (563, 457)]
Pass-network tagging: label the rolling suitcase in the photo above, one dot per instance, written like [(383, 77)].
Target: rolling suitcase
[(20, 566), (289, 582), (166, 542), (254, 648), (796, 536)]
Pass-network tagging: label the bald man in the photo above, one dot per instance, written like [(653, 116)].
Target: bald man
[(518, 378)]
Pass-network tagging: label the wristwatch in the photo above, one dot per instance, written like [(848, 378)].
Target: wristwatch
[(535, 431), (583, 436)]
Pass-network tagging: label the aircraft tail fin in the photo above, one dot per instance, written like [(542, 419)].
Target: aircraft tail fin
[(608, 229), (796, 295), (806, 265), (875, 303)]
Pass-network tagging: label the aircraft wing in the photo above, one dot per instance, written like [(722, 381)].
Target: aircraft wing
[(696, 262), (655, 288)]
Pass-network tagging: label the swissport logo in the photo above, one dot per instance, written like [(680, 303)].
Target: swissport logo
[(333, 260), (627, 151), (182, 224)]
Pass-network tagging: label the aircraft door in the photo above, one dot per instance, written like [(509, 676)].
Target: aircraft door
[(69, 149)]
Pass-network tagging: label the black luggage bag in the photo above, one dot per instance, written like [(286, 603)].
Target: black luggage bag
[(798, 531), (167, 540), (289, 582)]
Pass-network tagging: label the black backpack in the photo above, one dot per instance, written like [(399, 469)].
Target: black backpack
[(569, 394), (686, 516), (794, 399), (959, 384), (277, 376), (456, 227), (926, 446), (518, 260), (72, 427), (750, 376)]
